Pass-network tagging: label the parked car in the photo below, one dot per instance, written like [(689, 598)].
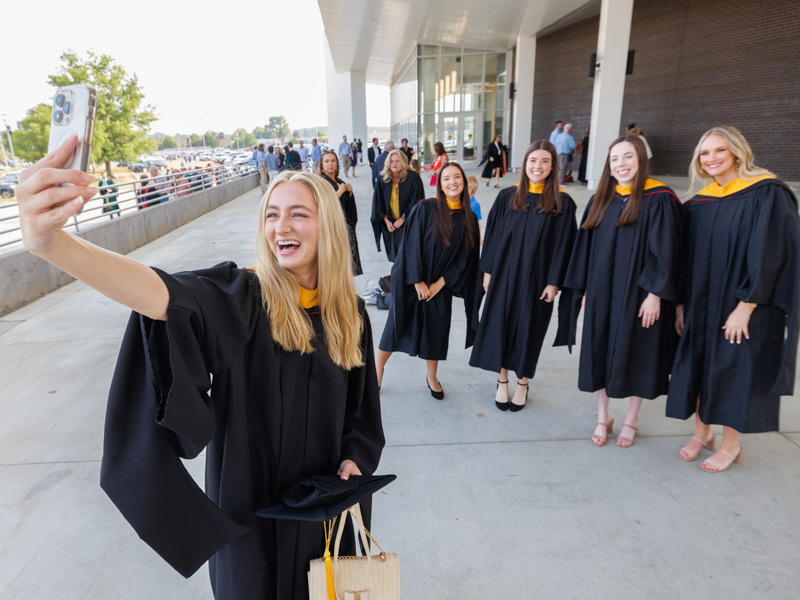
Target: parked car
[(7, 190), (137, 167), (11, 178)]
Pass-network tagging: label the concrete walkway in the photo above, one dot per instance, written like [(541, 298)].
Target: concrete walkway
[(486, 505)]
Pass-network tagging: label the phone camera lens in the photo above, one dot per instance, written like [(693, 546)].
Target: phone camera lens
[(57, 116), (66, 108), (59, 99)]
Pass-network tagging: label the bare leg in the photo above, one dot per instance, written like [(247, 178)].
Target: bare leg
[(627, 435), (380, 363), (502, 387), (433, 366), (601, 431), (702, 437), (728, 452), (497, 177), (521, 393)]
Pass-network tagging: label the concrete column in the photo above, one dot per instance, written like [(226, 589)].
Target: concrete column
[(523, 100), (347, 103), (609, 82)]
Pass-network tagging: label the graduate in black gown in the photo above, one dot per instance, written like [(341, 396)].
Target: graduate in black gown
[(329, 170), (739, 320), (495, 159), (271, 371), (397, 191), (437, 259), (529, 236), (626, 261)]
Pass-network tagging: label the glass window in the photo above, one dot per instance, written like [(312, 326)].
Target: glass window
[(473, 82), (451, 50), (472, 50), (490, 85), (501, 80), (450, 84), (428, 133), (429, 50), (492, 125), (428, 84)]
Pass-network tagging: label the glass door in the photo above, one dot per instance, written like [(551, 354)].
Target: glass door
[(460, 133), (449, 135)]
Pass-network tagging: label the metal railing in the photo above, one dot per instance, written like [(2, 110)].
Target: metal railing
[(117, 199)]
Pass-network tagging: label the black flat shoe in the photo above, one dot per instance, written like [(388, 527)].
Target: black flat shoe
[(501, 405), (518, 407), (437, 395)]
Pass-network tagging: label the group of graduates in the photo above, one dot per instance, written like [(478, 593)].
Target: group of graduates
[(696, 300)]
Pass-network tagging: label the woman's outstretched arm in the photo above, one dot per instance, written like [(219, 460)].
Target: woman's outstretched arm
[(44, 207)]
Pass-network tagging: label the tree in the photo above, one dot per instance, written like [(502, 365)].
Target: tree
[(277, 127), (33, 133), (242, 139), (168, 142), (195, 140), (121, 118), (259, 133)]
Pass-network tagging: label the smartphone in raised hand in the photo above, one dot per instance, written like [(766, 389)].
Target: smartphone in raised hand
[(74, 112)]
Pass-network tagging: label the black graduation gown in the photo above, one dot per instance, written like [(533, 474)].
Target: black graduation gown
[(492, 152), (270, 417), (422, 328), (411, 191), (743, 244), (524, 252), (617, 267), (348, 202)]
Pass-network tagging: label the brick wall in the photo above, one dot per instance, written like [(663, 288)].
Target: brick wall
[(698, 64)]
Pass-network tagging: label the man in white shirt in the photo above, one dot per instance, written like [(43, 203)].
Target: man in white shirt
[(346, 154), (303, 152)]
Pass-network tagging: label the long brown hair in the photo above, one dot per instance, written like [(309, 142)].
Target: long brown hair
[(605, 191), (550, 200), (443, 221)]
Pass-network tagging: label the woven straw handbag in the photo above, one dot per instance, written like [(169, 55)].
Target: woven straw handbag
[(353, 577)]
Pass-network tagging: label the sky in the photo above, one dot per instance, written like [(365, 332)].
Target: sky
[(202, 65)]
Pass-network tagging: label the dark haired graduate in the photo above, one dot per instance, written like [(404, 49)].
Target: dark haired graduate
[(397, 191), (739, 320), (626, 261), (268, 370), (529, 235), (437, 259), (329, 170)]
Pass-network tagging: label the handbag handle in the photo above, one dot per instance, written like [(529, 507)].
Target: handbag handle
[(363, 532)]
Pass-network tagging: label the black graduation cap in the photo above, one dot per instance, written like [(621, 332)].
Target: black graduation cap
[(323, 497)]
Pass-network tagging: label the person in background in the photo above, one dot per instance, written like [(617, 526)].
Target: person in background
[(143, 192), (472, 186), (281, 158), (495, 158), (346, 154), (359, 150), (737, 353), (415, 166), (380, 161), (159, 184), (329, 171), (565, 145), (354, 148), (584, 152), (273, 163), (107, 192), (292, 157), (409, 152), (556, 132), (397, 192), (637, 131), (263, 172), (372, 155), (303, 152), (316, 150), (530, 231), (438, 163), (436, 260), (626, 260)]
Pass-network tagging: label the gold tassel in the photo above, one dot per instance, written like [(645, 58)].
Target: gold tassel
[(329, 575)]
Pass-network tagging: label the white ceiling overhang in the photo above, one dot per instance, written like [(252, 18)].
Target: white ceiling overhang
[(376, 36)]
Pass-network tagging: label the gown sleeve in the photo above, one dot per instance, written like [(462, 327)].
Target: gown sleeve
[(378, 212), (773, 270), (159, 411), (491, 233), (363, 439), (575, 281), (415, 233), (564, 241), (660, 274)]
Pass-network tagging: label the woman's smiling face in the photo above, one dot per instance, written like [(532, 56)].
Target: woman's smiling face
[(291, 230)]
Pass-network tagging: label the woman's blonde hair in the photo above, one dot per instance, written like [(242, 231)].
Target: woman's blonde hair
[(280, 291), (743, 156), (387, 174)]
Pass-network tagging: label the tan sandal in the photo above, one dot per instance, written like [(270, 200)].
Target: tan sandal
[(711, 444), (624, 439), (609, 429), (709, 468)]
